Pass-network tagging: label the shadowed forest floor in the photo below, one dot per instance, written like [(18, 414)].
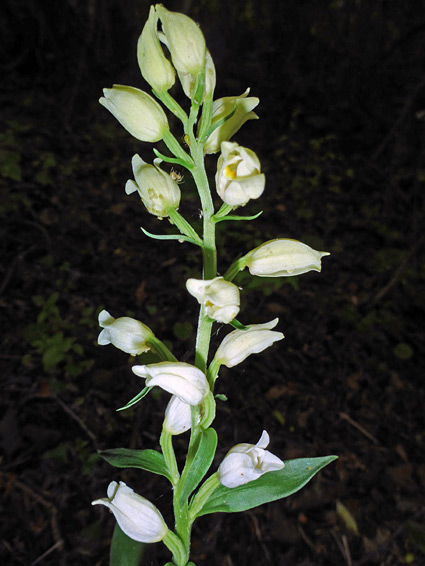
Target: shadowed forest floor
[(341, 141)]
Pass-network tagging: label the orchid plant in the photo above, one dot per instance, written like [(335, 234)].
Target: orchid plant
[(249, 475)]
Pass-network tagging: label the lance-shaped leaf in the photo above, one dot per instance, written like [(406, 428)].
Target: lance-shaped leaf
[(149, 460), (124, 550), (269, 487), (237, 218), (200, 463)]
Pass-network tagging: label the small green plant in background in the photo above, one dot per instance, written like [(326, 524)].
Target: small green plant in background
[(249, 475), (52, 338)]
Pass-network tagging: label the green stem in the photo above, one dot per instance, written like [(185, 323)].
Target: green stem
[(183, 524)]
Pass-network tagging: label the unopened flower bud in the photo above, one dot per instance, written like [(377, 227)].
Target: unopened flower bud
[(241, 107), (154, 65), (137, 517), (125, 333), (282, 258), (247, 462), (220, 297), (238, 176), (158, 191), (138, 112), (240, 344), (188, 81), (185, 381), (184, 39), (178, 416)]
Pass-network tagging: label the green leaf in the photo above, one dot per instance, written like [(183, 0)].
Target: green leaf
[(179, 237), (232, 217), (269, 487), (416, 533), (149, 460), (136, 399), (238, 325), (200, 464), (124, 550), (174, 160)]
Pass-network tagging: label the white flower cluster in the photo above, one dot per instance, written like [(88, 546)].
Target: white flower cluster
[(238, 180)]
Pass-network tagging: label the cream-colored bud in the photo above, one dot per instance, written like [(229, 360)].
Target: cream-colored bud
[(220, 297), (247, 462), (185, 381), (188, 81), (154, 65), (125, 333), (241, 107), (158, 191), (240, 344), (138, 112), (137, 517), (238, 178), (282, 258), (184, 39)]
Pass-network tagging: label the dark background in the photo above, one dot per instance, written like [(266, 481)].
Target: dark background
[(341, 140)]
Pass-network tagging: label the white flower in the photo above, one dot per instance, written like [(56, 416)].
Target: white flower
[(220, 297), (125, 333), (156, 188), (281, 258), (240, 344), (185, 381), (184, 39), (238, 176), (138, 112), (241, 106), (247, 462), (178, 416), (137, 517), (154, 66)]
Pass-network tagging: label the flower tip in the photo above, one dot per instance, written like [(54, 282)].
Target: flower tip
[(130, 187), (105, 318), (264, 440), (140, 370)]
